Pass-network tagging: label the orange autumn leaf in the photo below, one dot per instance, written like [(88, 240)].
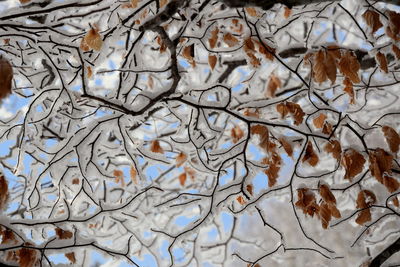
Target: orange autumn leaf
[(327, 128), (292, 108), (393, 29), (27, 257), (334, 51), (71, 257), (6, 75), (255, 114), (119, 177), (286, 146), (372, 20), (348, 89), (381, 58), (396, 51), (263, 133), (75, 181), (180, 159), (92, 40), (89, 72), (182, 178), (365, 199), (249, 189), (335, 212), (363, 217), (133, 174), (287, 11), (230, 40), (274, 84), (392, 138), (335, 148), (189, 171), (212, 61), (353, 163), (63, 234), (267, 51), (251, 11), (310, 156), (380, 163), (214, 37), (156, 147), (324, 67), (327, 194), (236, 134), (349, 67), (241, 200), (319, 120)]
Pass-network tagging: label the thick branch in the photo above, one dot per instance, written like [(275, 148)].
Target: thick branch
[(386, 254)]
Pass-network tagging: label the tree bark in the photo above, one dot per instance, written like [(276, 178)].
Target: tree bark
[(386, 254)]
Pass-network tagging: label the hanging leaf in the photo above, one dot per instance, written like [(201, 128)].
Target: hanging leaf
[(156, 147), (3, 192), (6, 75), (274, 165), (180, 159), (390, 183), (63, 234), (292, 108), (327, 128), (212, 61), (380, 163), (251, 11), (133, 174), (249, 189), (310, 156), (392, 138), (393, 29), (307, 202), (182, 178), (71, 257), (267, 51), (7, 236), (92, 40), (188, 53), (326, 194), (396, 51), (230, 40), (334, 147), (348, 89), (241, 200), (286, 146), (75, 181), (236, 134), (365, 199), (189, 171), (287, 12), (263, 133), (353, 163), (319, 67), (214, 37), (381, 58), (27, 257), (119, 177), (319, 120), (349, 66), (255, 114), (325, 215), (274, 84), (395, 201), (372, 20)]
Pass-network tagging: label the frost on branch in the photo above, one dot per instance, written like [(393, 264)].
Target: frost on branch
[(191, 133)]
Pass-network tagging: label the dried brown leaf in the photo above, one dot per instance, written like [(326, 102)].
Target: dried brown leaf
[(392, 138), (381, 58), (6, 75), (394, 25), (156, 147), (325, 214), (363, 217), (251, 11), (241, 200), (380, 163), (286, 146), (349, 66), (214, 38), (75, 181), (7, 236), (372, 20), (188, 53), (287, 11), (319, 120), (310, 156), (133, 174), (391, 183), (396, 51), (27, 257), (306, 201), (334, 147), (249, 189), (163, 3), (212, 61), (63, 234), (274, 165), (180, 159), (182, 178), (353, 163), (71, 257), (326, 194), (230, 40), (92, 40), (348, 89), (236, 134), (3, 192), (319, 67), (327, 128), (273, 84), (395, 201)]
